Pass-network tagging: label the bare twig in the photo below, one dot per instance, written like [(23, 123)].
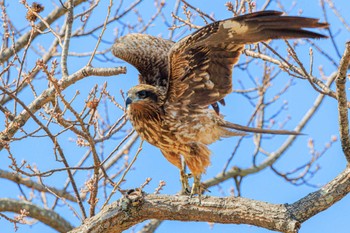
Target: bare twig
[(67, 36), (235, 171), (102, 32), (23, 40), (57, 147), (46, 96), (283, 65), (117, 185), (200, 12), (337, 13)]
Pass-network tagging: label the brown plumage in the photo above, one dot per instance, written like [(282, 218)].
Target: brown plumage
[(178, 82)]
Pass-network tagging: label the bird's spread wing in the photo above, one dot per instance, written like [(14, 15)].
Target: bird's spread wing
[(201, 63), (149, 54)]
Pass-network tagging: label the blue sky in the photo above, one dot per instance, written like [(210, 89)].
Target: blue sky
[(264, 186)]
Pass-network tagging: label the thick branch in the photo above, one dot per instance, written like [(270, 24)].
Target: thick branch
[(135, 208), (34, 185), (322, 199), (129, 211), (48, 217), (21, 119), (342, 102)]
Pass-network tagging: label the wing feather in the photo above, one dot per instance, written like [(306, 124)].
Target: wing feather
[(201, 63), (149, 54)]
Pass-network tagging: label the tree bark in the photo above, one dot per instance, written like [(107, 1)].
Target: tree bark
[(137, 206)]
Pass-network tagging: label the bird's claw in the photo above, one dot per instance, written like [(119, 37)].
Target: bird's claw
[(196, 188), (184, 182)]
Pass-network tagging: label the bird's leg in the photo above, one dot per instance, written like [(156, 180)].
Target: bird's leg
[(184, 180), (196, 188)]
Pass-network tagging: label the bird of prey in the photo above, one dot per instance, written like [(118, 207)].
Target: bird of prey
[(179, 81)]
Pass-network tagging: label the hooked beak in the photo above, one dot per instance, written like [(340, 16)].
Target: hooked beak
[(127, 102)]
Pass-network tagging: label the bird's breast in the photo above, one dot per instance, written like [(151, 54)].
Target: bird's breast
[(172, 128), (152, 125), (193, 126)]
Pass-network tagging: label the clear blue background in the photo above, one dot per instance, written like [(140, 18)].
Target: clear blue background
[(264, 186)]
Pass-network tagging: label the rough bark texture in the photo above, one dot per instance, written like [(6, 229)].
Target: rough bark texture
[(128, 211), (322, 199), (136, 207), (342, 102)]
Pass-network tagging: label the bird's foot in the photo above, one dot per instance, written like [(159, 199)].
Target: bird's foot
[(196, 188), (184, 182)]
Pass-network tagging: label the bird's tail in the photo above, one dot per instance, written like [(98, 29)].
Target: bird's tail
[(240, 128)]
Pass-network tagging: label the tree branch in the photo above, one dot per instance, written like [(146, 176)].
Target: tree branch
[(342, 102), (295, 69), (151, 226), (23, 40), (67, 35), (322, 199), (135, 207), (272, 157), (48, 217), (18, 179), (45, 97)]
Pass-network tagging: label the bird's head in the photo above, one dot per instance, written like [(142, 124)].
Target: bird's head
[(144, 95)]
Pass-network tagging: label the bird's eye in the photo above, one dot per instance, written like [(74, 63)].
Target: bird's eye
[(142, 94)]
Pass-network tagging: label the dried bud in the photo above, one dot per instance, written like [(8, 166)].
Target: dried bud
[(160, 186), (41, 64), (334, 138), (92, 104), (162, 183), (229, 6), (310, 143), (24, 212), (6, 145), (80, 142), (35, 8)]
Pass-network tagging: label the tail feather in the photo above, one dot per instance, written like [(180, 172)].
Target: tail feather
[(258, 130)]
